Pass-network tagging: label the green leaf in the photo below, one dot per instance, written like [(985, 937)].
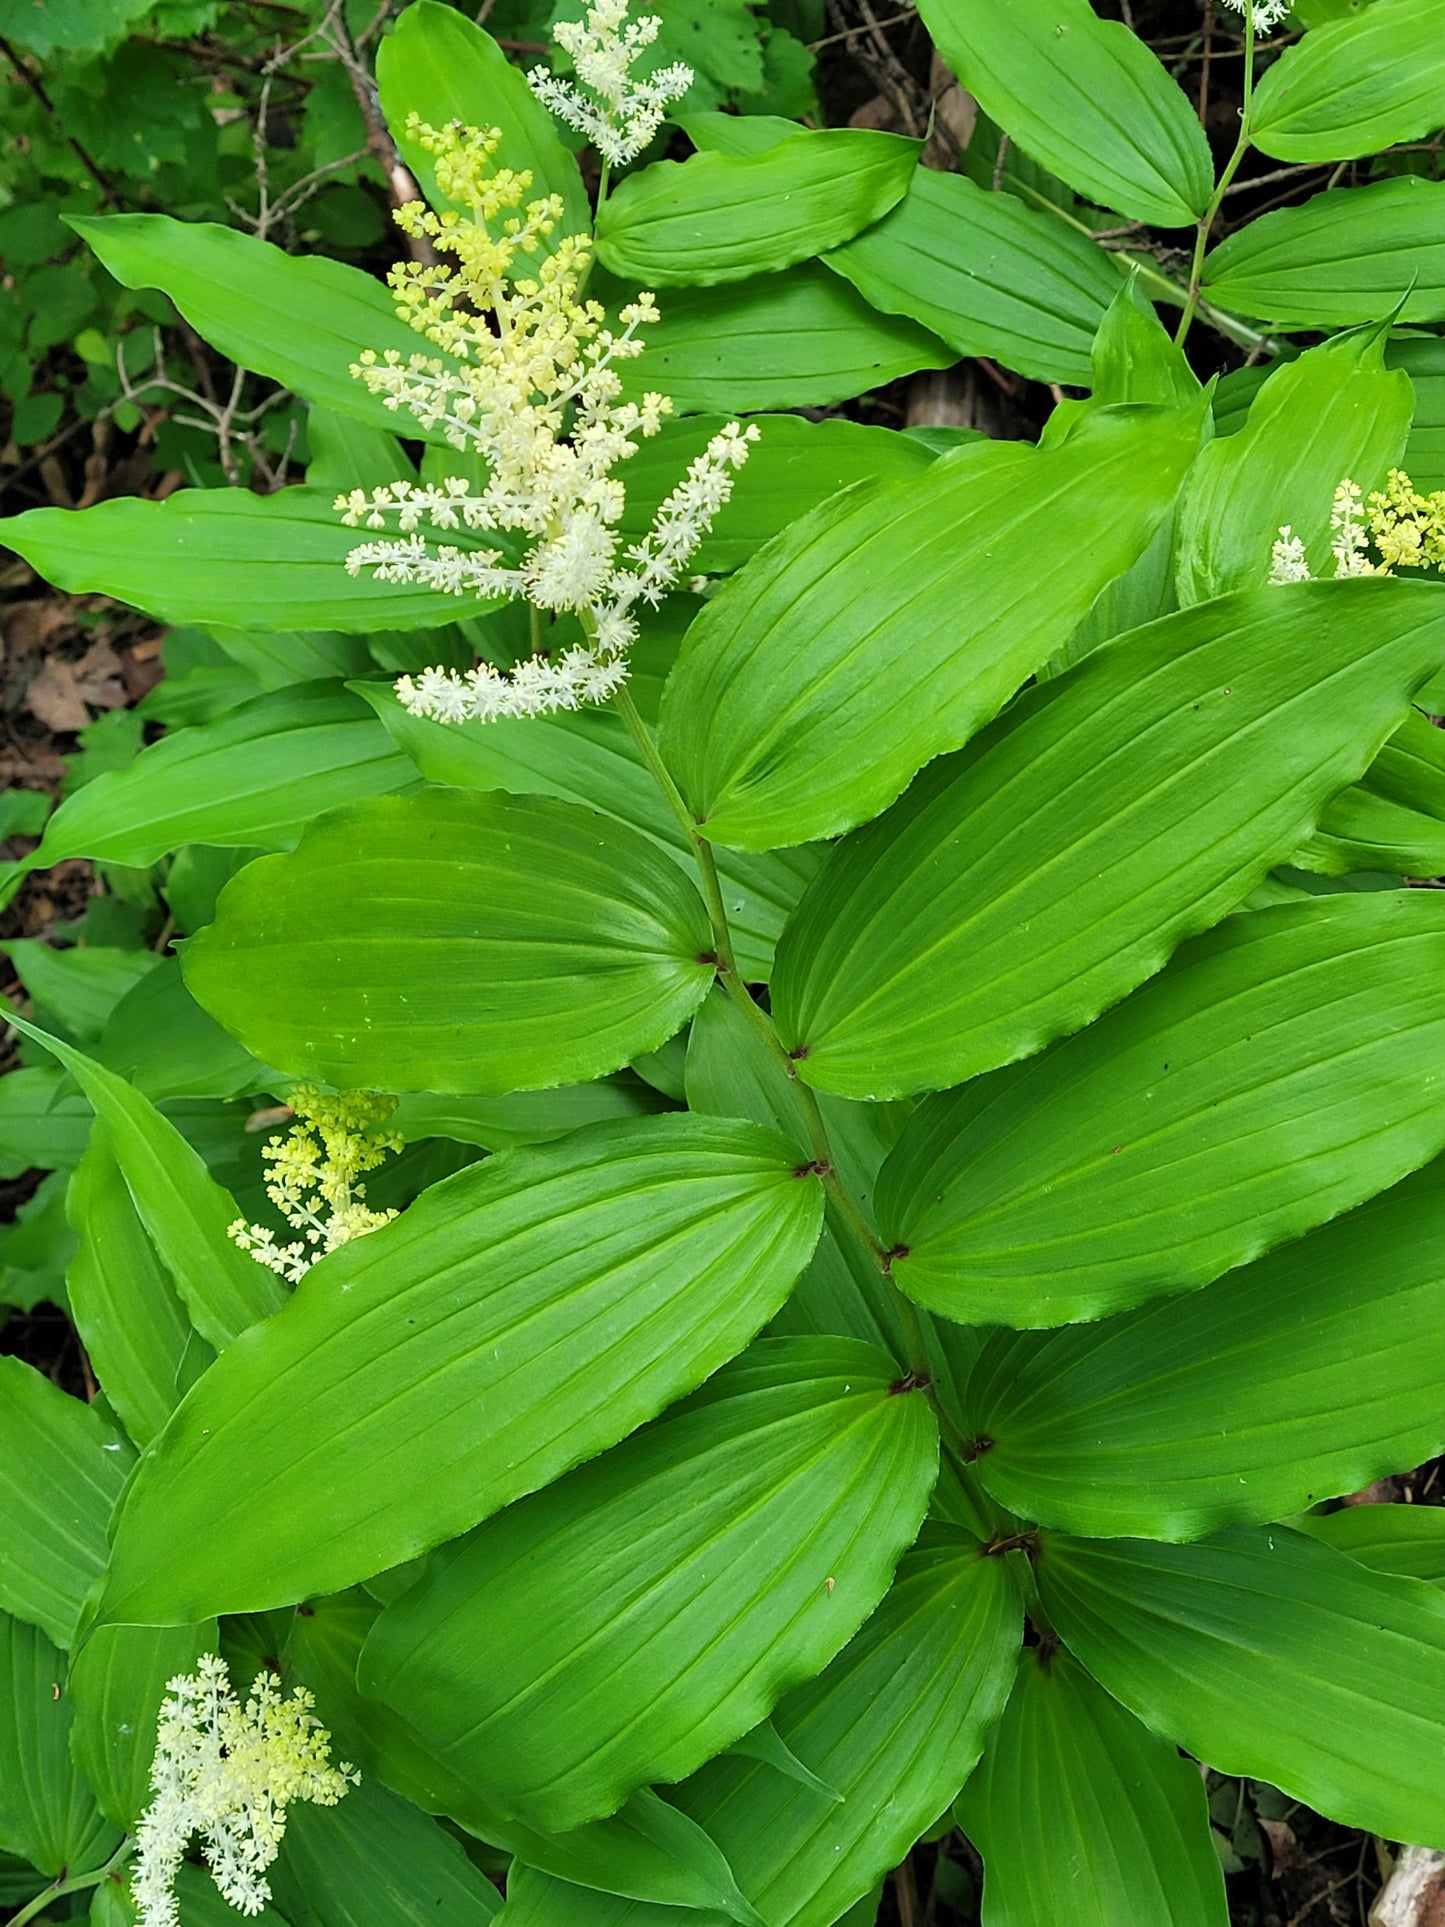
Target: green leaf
[(61, 1470), (725, 217), (345, 451), (526, 1117), (889, 625), (40, 1128), (302, 320), (254, 778), (1349, 255), (88, 24), (1135, 358), (77, 989), (896, 1721), (117, 1682), (374, 1857), (48, 1814), (1109, 813), (124, 1303), (1423, 360), (409, 1388), (647, 1850), (1335, 412), (1085, 97), (798, 340), (1076, 1797), (224, 558), (455, 941), (793, 466), (1309, 1373), (627, 1623), (161, 1042), (438, 64), (1273, 1657), (1408, 1540), (588, 757), (1394, 817), (987, 274), (1354, 86), (184, 1211), (1280, 1070)]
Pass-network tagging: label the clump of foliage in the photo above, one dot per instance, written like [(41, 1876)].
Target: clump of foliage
[(908, 1157)]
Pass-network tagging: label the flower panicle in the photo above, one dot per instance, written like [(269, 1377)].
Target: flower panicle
[(615, 109), (228, 1773), (1267, 14), (313, 1178), (1405, 528)]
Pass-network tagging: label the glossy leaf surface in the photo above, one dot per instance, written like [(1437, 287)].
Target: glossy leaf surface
[(48, 1814), (1394, 817), (1085, 97), (795, 340), (455, 941), (409, 1388), (223, 558), (254, 777), (1354, 86), (988, 274), (1309, 1373), (912, 592), (61, 1470), (1270, 1655), (1347, 256), (629, 1622), (1408, 1540), (724, 217), (1109, 813), (1078, 1810), (1279, 1071), (116, 1686)]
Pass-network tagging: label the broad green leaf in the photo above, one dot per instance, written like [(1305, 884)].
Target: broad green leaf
[(374, 1857), (184, 1211), (1273, 1657), (1309, 1373), (1085, 97), (438, 64), (117, 1682), (62, 1466), (77, 989), (40, 1128), (48, 1814), (725, 217), (277, 658), (1109, 813), (987, 274), (1354, 86), (1351, 254), (409, 1388), (302, 320), (896, 1722), (87, 24), (1394, 817), (796, 340), (1423, 360), (223, 557), (1075, 1798), (793, 466), (588, 757), (1279, 1071), (630, 1621), (122, 1298), (254, 778), (526, 1117), (345, 451), (887, 626), (1408, 1540), (646, 1851), (1134, 356), (161, 1042), (455, 941), (1336, 412)]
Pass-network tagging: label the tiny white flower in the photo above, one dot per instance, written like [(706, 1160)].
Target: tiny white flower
[(619, 112), (1267, 13), (1287, 559)]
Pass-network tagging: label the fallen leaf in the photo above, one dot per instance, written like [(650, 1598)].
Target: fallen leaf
[(54, 697)]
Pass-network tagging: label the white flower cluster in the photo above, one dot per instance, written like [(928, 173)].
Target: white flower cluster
[(532, 388), (228, 1773), (312, 1178), (1405, 527), (617, 111), (1267, 13)]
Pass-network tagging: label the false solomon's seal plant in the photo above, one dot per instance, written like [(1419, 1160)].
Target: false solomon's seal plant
[(907, 1174)]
